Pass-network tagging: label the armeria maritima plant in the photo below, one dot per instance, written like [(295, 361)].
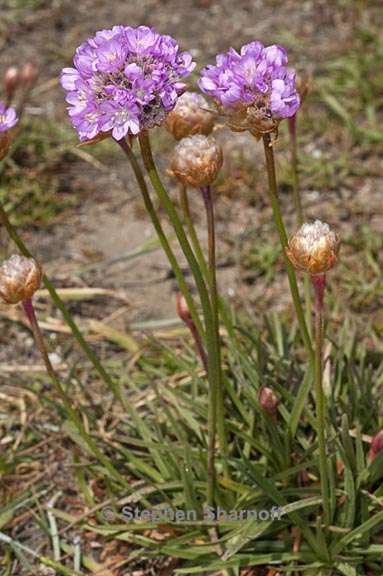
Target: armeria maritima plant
[(254, 91), (124, 82), (314, 249), (20, 278), (196, 162)]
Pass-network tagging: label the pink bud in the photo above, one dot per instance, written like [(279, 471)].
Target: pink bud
[(183, 309), (28, 75), (11, 81), (376, 445), (268, 400)]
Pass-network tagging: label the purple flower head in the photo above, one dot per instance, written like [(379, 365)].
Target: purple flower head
[(253, 88), (124, 80), (8, 117)]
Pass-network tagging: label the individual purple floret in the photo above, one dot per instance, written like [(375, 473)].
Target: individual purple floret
[(8, 117), (124, 80), (253, 87)]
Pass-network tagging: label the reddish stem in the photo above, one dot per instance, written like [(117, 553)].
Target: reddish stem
[(319, 283)]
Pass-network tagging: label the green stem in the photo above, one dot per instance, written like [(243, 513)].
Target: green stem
[(184, 201), (319, 283), (161, 234), (30, 313), (13, 234), (273, 193), (218, 410), (211, 343), (294, 165), (299, 209)]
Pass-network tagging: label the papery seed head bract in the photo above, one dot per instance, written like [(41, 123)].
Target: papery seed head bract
[(20, 277), (197, 160), (313, 248), (253, 88), (8, 117), (190, 116), (124, 80)]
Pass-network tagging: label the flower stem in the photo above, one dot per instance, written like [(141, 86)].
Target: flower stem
[(219, 403), (292, 122), (198, 343), (211, 341), (273, 193), (184, 202), (294, 164), (319, 284), (161, 234), (13, 234), (30, 313)]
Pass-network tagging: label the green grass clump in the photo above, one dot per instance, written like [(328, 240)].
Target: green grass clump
[(160, 446)]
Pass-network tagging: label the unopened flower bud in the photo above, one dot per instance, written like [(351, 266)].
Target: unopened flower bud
[(190, 116), (197, 160), (28, 75), (183, 309), (11, 81), (376, 445), (314, 248), (5, 142), (268, 400), (20, 277)]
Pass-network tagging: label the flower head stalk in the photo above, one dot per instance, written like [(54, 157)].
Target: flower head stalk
[(253, 88), (197, 160), (184, 314), (124, 80), (314, 249), (190, 116)]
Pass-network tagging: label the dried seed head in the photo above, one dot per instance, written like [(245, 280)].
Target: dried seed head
[(20, 277), (314, 248), (11, 81), (268, 400), (197, 160), (255, 118), (183, 309), (190, 116), (376, 445)]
